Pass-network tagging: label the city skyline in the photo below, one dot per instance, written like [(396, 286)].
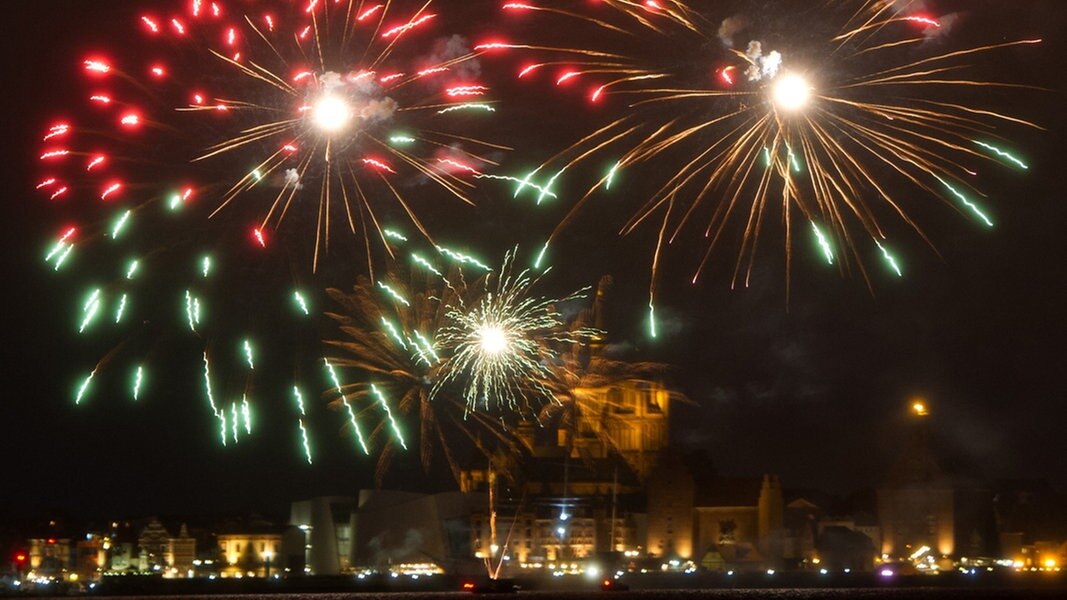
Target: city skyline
[(813, 388)]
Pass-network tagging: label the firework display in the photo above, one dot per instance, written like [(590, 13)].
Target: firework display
[(454, 346), (259, 173), (848, 123), (245, 154)]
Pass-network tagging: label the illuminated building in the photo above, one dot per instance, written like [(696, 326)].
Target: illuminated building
[(254, 553), (630, 419), (50, 556), (153, 542), (916, 506), (325, 544), (181, 553), (670, 511), (1031, 523), (740, 522), (408, 532)]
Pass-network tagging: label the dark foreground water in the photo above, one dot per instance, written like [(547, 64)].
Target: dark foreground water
[(749, 594)]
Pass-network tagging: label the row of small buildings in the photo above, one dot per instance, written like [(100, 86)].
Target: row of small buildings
[(582, 505)]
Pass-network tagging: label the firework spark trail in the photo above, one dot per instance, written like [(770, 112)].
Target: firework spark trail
[(824, 243), (306, 442), (389, 415), (890, 260), (84, 387), (301, 302), (1005, 155), (348, 407), (138, 380), (826, 141)]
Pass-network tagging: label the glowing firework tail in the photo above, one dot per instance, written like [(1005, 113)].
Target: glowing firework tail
[(348, 407), (389, 415), (138, 381)]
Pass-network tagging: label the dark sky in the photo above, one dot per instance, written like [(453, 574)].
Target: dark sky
[(813, 389)]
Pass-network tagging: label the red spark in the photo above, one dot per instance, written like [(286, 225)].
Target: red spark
[(407, 26), (378, 165), (110, 190), (369, 12), (923, 20)]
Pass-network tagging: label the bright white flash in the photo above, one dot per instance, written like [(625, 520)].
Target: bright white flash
[(331, 114), (791, 92), (494, 340)]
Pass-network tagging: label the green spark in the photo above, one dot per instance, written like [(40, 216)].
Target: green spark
[(121, 224), (792, 159), (545, 191), (207, 388), (652, 320), (59, 247), (824, 243), (396, 296), (467, 106), (401, 140), (84, 387), (523, 183), (257, 175), (205, 266), (93, 297), (541, 256), (91, 310), (396, 235), (394, 333), (299, 400), (351, 412), (304, 436), (249, 355), (246, 412), (463, 258), (121, 310), (222, 426), (138, 379), (971, 205), (63, 257), (427, 346), (175, 202), (389, 415), (235, 421), (131, 270), (1001, 153), (611, 175), (890, 260), (190, 311), (302, 303), (425, 263)]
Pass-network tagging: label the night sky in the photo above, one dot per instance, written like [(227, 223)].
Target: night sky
[(813, 387)]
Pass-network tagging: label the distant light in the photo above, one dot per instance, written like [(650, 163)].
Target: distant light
[(920, 409), (886, 573)]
